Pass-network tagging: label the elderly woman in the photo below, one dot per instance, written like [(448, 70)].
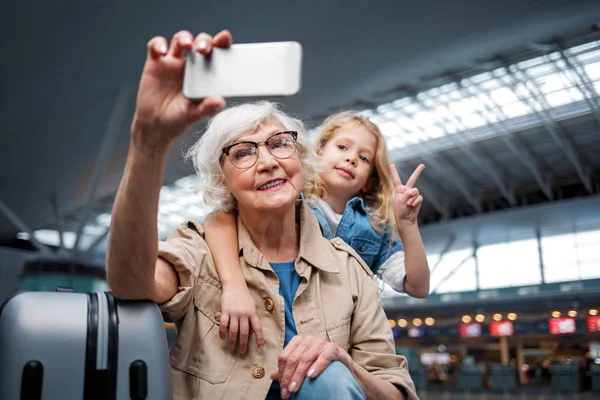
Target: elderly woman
[(325, 333)]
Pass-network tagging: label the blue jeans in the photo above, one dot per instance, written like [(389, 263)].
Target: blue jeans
[(335, 382)]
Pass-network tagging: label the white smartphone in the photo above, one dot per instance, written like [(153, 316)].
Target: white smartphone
[(244, 70)]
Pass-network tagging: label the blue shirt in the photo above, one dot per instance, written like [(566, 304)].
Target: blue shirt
[(355, 229), (289, 280)]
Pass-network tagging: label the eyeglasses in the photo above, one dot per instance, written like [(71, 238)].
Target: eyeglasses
[(245, 154)]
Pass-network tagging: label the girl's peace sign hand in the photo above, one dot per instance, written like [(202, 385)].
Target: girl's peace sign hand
[(407, 200)]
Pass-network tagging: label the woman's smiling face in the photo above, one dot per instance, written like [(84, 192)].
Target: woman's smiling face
[(271, 184)]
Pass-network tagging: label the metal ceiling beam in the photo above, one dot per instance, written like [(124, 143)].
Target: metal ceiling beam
[(112, 131), (540, 252), (430, 195), (583, 81), (522, 153), (93, 246), (544, 115), (59, 223), (457, 179), (452, 272), (447, 246), (476, 260), (24, 228), (466, 147)]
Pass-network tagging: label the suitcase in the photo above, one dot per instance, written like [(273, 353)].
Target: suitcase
[(90, 346)]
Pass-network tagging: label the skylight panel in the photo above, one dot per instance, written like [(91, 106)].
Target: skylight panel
[(490, 84), (384, 108), (390, 129), (434, 132), (585, 47), (503, 96), (588, 56), (540, 84), (514, 110), (401, 103), (480, 78), (550, 83), (531, 63), (593, 70), (471, 121), (395, 142)]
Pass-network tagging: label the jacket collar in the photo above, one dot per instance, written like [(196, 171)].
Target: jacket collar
[(314, 248)]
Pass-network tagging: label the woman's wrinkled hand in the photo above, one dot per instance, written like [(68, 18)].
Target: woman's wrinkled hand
[(162, 112), (306, 356)]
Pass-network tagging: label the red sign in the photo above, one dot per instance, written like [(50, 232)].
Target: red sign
[(469, 330), (501, 328), (593, 323), (559, 326)]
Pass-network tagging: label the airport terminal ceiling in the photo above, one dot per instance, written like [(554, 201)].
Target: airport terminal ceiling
[(65, 132)]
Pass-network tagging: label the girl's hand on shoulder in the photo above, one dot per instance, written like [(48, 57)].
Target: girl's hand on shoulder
[(407, 200), (238, 315)]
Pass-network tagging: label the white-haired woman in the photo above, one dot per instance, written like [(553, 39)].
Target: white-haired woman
[(325, 333)]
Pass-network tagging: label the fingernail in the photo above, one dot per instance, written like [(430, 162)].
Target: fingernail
[(284, 393), (163, 48), (293, 386), (186, 40), (311, 373), (202, 45)]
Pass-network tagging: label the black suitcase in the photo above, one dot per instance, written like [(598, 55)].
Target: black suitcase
[(62, 346)]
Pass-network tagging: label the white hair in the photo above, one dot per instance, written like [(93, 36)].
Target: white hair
[(227, 126)]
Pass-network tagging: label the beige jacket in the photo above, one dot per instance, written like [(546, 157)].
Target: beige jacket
[(337, 300)]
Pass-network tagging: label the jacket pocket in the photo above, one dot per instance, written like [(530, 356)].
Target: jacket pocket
[(199, 351), (366, 248), (339, 333)]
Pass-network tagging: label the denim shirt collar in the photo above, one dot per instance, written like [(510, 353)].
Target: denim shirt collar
[(357, 204)]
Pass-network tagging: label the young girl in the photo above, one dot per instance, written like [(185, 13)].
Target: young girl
[(356, 197)]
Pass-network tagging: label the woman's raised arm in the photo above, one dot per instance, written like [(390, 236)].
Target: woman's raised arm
[(162, 114)]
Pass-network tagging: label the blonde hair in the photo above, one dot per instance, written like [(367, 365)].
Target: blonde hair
[(379, 198), (229, 125)]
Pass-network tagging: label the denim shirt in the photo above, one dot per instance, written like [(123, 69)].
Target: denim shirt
[(355, 229)]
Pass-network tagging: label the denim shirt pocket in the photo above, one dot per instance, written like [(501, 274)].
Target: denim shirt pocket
[(366, 248)]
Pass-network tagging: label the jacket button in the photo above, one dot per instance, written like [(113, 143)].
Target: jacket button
[(269, 304), (362, 248), (218, 316), (258, 372)]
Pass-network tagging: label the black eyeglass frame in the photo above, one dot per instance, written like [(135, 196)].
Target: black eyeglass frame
[(294, 135)]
